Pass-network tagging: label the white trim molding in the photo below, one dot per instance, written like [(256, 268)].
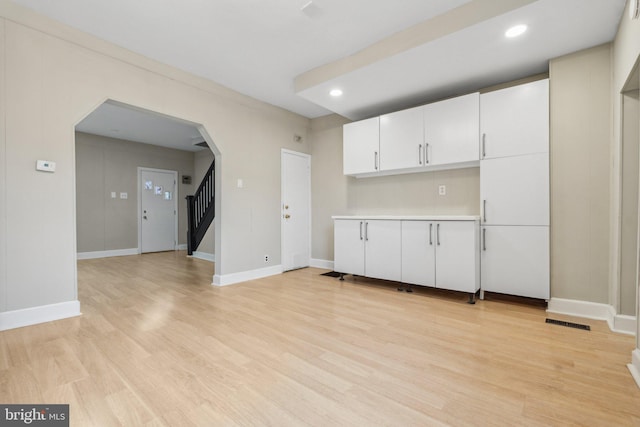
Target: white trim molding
[(204, 256), (634, 366), (321, 263), (40, 314), (107, 254), (243, 276), (593, 310), (181, 247)]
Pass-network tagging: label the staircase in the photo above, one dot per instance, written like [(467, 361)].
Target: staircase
[(201, 210)]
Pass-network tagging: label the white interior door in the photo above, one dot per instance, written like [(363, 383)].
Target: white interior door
[(296, 210), (158, 210)]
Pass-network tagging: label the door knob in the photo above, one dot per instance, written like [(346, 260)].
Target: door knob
[(287, 216), (145, 217)]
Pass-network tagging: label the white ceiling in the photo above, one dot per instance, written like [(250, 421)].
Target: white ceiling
[(120, 121), (264, 48)]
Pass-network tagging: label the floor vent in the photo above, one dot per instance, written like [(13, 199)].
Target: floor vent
[(568, 324)]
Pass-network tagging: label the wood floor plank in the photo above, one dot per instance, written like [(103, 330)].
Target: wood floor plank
[(157, 345)]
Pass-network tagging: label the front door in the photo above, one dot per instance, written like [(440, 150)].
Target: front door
[(158, 210), (296, 210)]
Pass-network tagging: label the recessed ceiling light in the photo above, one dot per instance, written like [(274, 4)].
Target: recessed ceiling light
[(335, 92), (515, 31)]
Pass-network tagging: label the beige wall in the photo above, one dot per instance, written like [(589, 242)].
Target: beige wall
[(104, 165), (629, 202), (202, 161), (53, 76), (580, 109), (410, 194), (626, 53)]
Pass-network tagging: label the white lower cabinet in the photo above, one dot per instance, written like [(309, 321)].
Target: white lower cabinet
[(369, 248), (515, 260), (418, 253), (349, 246), (443, 254), (438, 253)]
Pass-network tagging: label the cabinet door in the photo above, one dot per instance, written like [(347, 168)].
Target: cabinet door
[(515, 120), (361, 146), (418, 253), (457, 256), (515, 260), (515, 190), (452, 130), (402, 139), (382, 249), (349, 246)]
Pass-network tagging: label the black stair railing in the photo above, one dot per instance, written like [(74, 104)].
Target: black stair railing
[(201, 210)]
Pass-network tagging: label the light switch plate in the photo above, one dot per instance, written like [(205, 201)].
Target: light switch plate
[(113, 194), (124, 196)]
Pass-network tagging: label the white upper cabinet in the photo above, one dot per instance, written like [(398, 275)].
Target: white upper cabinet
[(515, 190), (361, 146), (451, 130), (515, 120), (402, 139)]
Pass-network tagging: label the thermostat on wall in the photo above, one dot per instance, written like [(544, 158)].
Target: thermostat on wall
[(46, 166)]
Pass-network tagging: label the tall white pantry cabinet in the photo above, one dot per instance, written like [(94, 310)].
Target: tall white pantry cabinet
[(514, 190)]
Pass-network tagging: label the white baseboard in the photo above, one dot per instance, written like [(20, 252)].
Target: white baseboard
[(321, 263), (243, 276), (181, 247), (107, 254), (634, 366), (205, 256), (33, 315), (593, 310), (624, 324)]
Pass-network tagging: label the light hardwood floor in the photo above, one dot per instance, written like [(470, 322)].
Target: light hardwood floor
[(158, 345)]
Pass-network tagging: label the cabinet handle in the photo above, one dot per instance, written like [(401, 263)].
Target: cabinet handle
[(484, 135), (420, 153), (438, 234), (484, 210), (360, 230), (426, 153), (484, 239), (430, 239), (375, 160), (366, 231)]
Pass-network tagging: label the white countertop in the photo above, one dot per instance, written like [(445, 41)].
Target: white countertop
[(412, 217)]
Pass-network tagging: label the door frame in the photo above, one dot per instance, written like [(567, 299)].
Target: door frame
[(283, 152), (175, 204)]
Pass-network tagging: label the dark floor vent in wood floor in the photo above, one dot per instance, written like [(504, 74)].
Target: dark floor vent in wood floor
[(568, 324)]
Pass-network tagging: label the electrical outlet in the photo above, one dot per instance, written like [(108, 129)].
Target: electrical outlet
[(442, 190), (266, 258)]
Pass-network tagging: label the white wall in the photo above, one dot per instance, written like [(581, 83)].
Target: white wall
[(52, 77)]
